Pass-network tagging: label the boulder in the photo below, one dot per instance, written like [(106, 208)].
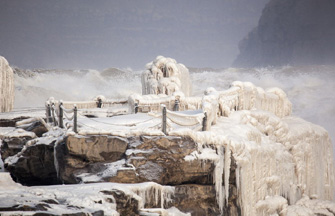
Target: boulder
[(34, 165), (13, 142), (161, 160), (96, 148), (137, 159)]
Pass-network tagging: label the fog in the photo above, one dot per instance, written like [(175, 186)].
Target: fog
[(124, 33)]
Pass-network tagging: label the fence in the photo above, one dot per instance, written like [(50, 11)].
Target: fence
[(61, 112), (55, 114), (241, 96)]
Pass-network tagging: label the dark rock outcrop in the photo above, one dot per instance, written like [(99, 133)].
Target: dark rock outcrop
[(34, 165), (125, 205), (295, 32), (11, 122), (13, 142)]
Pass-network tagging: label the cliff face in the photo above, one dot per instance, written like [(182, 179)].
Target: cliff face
[(143, 159), (295, 32)]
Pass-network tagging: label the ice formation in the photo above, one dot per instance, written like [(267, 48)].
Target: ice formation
[(85, 196), (6, 86), (275, 156), (165, 76)]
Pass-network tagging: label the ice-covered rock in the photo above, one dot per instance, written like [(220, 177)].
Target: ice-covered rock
[(165, 76), (34, 165), (13, 140), (140, 159), (6, 86)]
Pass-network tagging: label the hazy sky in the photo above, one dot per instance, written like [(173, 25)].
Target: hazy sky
[(124, 33)]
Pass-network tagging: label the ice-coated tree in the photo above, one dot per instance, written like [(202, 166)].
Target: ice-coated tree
[(6, 86), (165, 76)]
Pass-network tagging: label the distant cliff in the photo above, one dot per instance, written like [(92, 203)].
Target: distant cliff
[(295, 32)]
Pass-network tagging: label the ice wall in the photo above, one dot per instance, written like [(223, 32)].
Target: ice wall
[(6, 86), (277, 155), (165, 76)]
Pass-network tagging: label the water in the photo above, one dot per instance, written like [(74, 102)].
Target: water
[(310, 88)]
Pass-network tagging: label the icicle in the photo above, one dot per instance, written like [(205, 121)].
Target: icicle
[(227, 163), (218, 171), (59, 140), (6, 86), (151, 193)]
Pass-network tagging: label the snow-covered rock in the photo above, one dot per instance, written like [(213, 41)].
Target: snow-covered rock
[(13, 140), (6, 86)]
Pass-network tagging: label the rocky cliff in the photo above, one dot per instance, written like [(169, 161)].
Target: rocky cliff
[(139, 159), (295, 32)]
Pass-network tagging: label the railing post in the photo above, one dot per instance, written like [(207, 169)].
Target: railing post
[(75, 110), (53, 114), (48, 113), (136, 108), (164, 119), (99, 103), (204, 122), (60, 117), (176, 105)]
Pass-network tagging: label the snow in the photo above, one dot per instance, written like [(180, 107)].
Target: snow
[(11, 132), (6, 86), (163, 212), (6, 182), (23, 112), (110, 170)]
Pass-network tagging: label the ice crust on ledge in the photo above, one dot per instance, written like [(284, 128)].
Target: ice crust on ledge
[(86, 196)]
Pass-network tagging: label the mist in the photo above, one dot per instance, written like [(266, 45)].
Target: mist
[(102, 34)]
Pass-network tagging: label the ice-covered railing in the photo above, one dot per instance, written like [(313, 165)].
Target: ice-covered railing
[(98, 102), (251, 97), (143, 123), (195, 120), (245, 96), (55, 115), (241, 96), (150, 103)]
